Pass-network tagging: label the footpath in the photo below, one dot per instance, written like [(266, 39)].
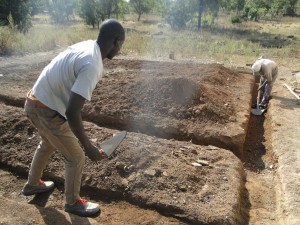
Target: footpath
[(283, 125)]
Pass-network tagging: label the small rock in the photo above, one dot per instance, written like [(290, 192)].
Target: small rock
[(196, 164), (194, 151), (150, 173), (188, 114), (132, 177), (129, 168), (158, 172), (232, 119), (197, 112), (172, 110), (175, 153), (120, 166), (165, 173), (203, 162), (125, 183), (183, 188), (211, 147), (94, 140), (31, 137)]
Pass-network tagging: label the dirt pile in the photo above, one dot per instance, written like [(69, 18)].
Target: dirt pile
[(202, 103), (159, 174), (171, 111)]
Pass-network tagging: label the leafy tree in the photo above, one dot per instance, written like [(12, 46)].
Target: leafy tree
[(87, 11), (119, 8), (209, 8), (160, 6), (61, 10), (20, 13), (255, 9), (182, 12), (36, 6), (142, 6), (290, 7), (105, 8), (95, 11), (234, 5), (178, 14), (285, 7)]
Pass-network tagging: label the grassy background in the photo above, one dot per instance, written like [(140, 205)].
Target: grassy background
[(224, 42)]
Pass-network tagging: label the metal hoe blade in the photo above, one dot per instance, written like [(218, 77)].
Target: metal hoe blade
[(108, 146), (257, 112)]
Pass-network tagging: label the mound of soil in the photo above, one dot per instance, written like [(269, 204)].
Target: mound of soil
[(202, 103), (146, 171), (182, 119)]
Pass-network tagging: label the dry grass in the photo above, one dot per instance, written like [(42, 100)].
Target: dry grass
[(225, 42)]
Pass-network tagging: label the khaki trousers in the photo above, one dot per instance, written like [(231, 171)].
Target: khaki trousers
[(55, 135)]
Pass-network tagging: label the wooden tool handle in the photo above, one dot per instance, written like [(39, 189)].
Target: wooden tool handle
[(290, 89)]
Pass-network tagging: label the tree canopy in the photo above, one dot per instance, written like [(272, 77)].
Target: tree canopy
[(178, 13), (20, 12)]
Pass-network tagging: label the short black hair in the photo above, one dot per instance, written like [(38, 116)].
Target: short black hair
[(111, 29)]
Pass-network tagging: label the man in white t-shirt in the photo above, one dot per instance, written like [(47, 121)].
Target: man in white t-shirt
[(268, 72), (54, 107)]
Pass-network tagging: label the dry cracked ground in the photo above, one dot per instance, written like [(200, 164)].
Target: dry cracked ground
[(193, 154)]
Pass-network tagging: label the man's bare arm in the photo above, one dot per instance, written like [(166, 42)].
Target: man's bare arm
[(73, 114)]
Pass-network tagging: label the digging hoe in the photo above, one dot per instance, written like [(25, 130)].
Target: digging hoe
[(109, 145), (258, 111)]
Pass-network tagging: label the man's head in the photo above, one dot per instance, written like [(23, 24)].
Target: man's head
[(256, 67), (111, 37)]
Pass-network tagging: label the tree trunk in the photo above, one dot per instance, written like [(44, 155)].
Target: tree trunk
[(200, 10)]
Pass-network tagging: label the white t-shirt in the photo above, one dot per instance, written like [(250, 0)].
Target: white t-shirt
[(269, 69), (77, 69)]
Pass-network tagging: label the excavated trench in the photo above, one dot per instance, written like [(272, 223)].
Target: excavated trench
[(260, 166), (248, 145)]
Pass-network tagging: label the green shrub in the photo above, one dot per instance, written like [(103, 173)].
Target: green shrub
[(6, 40), (235, 19), (208, 19)]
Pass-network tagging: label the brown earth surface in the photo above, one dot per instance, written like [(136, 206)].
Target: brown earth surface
[(176, 114)]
